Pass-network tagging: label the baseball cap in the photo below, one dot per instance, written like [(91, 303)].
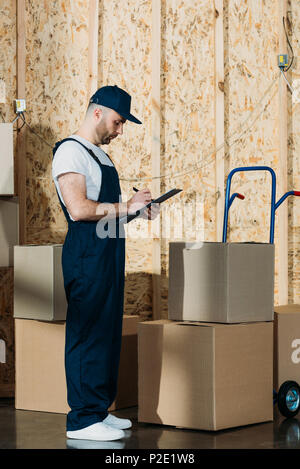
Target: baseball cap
[(115, 98)]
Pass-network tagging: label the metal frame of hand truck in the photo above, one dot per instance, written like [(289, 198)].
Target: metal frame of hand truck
[(288, 395)]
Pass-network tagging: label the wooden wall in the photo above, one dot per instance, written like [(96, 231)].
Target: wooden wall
[(293, 157), (202, 75), (251, 48), (8, 28)]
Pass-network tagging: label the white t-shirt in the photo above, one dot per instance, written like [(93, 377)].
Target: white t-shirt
[(72, 157)]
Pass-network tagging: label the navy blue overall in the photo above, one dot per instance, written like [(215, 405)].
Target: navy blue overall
[(93, 270)]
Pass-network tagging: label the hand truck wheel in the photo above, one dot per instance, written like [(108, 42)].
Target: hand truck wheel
[(288, 398)]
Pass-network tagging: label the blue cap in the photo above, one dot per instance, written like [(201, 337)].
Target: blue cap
[(115, 98)]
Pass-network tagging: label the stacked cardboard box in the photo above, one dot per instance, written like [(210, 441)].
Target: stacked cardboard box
[(40, 311), (38, 283), (7, 159), (221, 282), (210, 365), (9, 229), (40, 373), (9, 232), (286, 344), (2, 351)]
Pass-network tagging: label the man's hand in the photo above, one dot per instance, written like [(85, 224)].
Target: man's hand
[(138, 201), (151, 213)]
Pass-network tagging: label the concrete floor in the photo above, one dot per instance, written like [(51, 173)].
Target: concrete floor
[(40, 430)]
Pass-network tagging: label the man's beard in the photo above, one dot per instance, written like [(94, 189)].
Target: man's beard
[(107, 139)]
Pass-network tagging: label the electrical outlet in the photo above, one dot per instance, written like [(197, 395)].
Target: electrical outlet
[(283, 60), (20, 105)]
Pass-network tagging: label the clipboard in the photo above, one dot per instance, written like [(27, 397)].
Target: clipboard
[(158, 200)]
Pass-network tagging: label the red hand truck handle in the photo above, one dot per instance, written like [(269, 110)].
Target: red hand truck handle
[(287, 194)]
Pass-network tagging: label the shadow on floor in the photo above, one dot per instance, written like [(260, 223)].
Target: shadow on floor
[(40, 430)]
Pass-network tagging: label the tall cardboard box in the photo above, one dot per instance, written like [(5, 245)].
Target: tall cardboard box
[(221, 282), (38, 283), (39, 366), (2, 351), (6, 159), (9, 229), (40, 372), (286, 344), (205, 376), (7, 347)]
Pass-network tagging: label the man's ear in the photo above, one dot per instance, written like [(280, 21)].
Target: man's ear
[(98, 114)]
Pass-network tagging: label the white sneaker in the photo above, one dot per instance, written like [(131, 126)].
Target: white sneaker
[(116, 422), (97, 432), (89, 444)]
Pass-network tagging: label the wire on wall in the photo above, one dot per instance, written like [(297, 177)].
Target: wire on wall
[(208, 158), (289, 44)]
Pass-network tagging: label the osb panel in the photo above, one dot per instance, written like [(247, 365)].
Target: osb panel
[(56, 93), (293, 28), (188, 136), (57, 104), (8, 75), (7, 369), (125, 60), (8, 61), (251, 99), (56, 87), (138, 279), (8, 56)]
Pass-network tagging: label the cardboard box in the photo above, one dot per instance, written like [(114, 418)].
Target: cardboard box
[(7, 159), (286, 344), (205, 376), (39, 366), (9, 229), (7, 342), (40, 372), (2, 351), (221, 282), (38, 283)]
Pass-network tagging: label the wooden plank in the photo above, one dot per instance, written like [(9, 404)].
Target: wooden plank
[(93, 47), (219, 116), (21, 136), (282, 186), (155, 153)]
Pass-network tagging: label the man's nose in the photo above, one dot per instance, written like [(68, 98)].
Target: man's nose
[(120, 129)]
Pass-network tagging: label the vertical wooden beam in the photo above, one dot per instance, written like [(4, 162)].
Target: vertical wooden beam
[(100, 41), (93, 47), (219, 116), (21, 135), (155, 152), (282, 212)]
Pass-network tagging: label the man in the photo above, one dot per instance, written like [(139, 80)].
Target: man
[(88, 188)]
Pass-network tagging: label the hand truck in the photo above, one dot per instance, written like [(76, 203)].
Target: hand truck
[(288, 395)]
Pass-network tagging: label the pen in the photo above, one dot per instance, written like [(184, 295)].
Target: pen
[(136, 190)]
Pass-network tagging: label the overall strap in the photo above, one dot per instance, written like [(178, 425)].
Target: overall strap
[(55, 148), (102, 167), (57, 145)]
